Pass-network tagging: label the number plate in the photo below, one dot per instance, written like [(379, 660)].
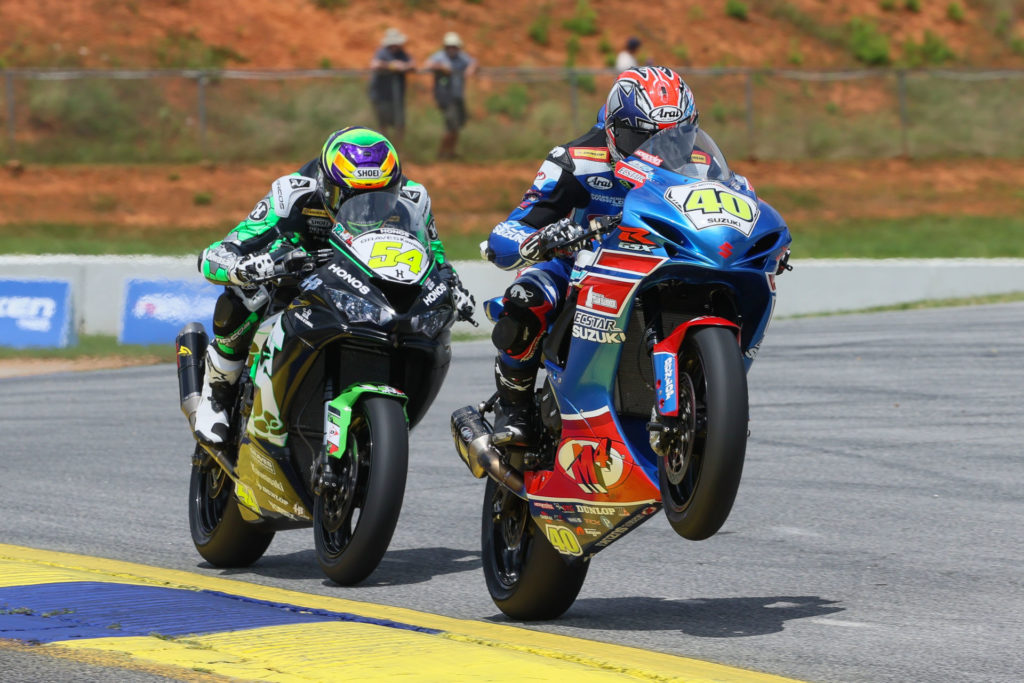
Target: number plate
[(710, 205), (395, 256)]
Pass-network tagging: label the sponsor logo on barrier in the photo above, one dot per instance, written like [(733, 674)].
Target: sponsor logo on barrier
[(35, 313), (155, 310)]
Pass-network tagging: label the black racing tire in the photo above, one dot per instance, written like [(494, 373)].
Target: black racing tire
[(527, 578), (698, 488), (353, 525), (219, 532)]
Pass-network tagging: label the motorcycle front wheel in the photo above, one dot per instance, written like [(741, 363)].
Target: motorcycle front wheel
[(219, 533), (353, 523), (701, 474), (526, 577)]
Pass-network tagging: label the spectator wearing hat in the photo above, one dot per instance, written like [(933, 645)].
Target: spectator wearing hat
[(390, 65), (451, 66), (627, 58)]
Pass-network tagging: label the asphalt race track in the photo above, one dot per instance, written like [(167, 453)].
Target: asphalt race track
[(877, 535)]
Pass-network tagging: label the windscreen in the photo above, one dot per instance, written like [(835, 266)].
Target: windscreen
[(686, 150), (385, 232), (375, 210)]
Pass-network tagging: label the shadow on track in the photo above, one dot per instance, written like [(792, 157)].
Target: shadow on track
[(399, 567), (712, 618)]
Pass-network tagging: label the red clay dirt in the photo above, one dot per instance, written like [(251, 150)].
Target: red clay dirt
[(261, 34), (269, 34), (472, 198)]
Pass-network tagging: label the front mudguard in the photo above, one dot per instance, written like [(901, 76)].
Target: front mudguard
[(338, 416), (666, 369)]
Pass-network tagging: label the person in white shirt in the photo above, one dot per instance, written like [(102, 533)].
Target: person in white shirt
[(627, 58), (451, 66)]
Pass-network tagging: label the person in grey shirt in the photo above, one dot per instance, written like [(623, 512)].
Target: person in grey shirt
[(451, 66), (390, 65)]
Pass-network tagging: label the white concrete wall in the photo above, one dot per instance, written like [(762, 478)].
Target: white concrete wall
[(814, 286)]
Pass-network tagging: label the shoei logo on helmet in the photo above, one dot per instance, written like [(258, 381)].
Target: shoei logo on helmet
[(367, 173), (666, 114)]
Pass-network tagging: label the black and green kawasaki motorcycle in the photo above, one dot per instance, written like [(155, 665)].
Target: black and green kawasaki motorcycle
[(336, 377)]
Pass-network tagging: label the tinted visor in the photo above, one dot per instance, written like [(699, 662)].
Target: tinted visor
[(628, 138), (331, 194)]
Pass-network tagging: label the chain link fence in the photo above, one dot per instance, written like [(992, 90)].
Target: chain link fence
[(148, 116)]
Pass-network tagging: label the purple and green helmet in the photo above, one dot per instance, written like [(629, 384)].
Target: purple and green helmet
[(355, 160)]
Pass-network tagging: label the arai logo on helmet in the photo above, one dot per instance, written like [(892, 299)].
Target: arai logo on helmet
[(666, 114), (599, 182)]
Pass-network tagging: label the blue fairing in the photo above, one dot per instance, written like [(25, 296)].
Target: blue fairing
[(747, 265)]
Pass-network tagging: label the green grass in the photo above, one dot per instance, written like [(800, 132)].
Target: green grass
[(917, 237), (95, 345), (914, 237), (930, 303), (105, 239)]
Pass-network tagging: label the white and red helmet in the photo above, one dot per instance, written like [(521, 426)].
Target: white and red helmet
[(643, 101)]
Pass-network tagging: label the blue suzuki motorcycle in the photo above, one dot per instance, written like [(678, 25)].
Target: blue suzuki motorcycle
[(644, 404)]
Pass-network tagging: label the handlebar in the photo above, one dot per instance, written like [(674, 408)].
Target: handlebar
[(296, 264)]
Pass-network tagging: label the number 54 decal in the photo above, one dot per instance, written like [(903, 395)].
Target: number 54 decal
[(710, 204), (387, 254), (392, 255)]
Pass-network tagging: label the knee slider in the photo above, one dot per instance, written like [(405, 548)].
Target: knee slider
[(229, 313), (515, 331), (520, 323)]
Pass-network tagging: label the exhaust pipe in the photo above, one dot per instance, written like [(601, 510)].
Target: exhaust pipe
[(472, 438), (190, 347)]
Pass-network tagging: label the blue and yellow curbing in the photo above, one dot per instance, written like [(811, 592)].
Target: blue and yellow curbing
[(135, 616)]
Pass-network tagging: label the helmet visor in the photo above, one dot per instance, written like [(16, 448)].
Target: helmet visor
[(628, 138), (331, 194)]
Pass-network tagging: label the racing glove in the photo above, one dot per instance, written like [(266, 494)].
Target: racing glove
[(562, 238), (464, 302), (255, 268), (251, 269)]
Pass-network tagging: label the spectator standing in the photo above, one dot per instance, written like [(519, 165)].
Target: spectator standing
[(451, 66), (390, 65), (627, 58)]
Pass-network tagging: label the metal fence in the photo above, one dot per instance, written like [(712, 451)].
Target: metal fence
[(237, 115)]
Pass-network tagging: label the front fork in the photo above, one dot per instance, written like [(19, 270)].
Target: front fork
[(673, 417)]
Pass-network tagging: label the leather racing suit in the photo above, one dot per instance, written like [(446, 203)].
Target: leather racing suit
[(576, 181)]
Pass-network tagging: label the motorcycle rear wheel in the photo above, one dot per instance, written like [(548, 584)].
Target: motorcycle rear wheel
[(353, 525), (219, 533), (526, 577), (699, 479)]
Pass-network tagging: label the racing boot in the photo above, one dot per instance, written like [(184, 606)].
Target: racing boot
[(220, 387), (514, 411)]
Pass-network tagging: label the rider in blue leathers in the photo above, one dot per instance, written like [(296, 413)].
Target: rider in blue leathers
[(575, 183)]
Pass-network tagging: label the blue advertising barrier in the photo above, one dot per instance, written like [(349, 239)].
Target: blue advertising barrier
[(156, 310), (35, 313)]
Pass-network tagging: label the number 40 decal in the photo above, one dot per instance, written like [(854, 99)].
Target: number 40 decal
[(714, 200), (563, 540)]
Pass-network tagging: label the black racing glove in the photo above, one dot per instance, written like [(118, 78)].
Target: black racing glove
[(464, 302), (563, 238)]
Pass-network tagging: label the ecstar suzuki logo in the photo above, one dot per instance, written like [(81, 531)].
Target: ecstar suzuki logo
[(593, 465)]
